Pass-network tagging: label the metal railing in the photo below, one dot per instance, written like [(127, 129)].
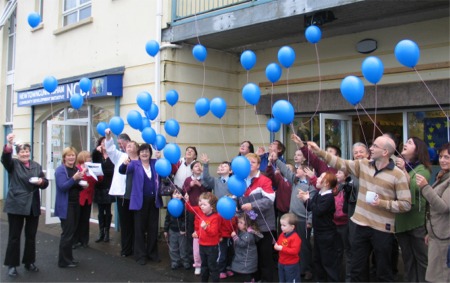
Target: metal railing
[(187, 10)]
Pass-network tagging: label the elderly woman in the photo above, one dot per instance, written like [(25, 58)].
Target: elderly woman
[(438, 219), (67, 203), (22, 204)]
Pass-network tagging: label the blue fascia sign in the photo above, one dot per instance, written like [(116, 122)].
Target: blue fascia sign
[(105, 86)]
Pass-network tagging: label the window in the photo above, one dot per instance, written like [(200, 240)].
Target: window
[(76, 10), (41, 9), (9, 104), (11, 42)]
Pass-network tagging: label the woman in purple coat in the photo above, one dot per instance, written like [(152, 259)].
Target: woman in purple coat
[(145, 201)]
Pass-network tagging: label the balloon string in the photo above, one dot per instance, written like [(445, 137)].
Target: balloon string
[(198, 132), (320, 85), (193, 210), (376, 106), (223, 139), (259, 126), (260, 211), (79, 130), (287, 85), (245, 110), (360, 124), (426, 86)]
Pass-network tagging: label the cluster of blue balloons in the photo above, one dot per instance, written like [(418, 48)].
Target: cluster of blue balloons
[(34, 19), (217, 105), (226, 206)]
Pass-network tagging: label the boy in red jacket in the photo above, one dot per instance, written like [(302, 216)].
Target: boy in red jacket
[(288, 245)]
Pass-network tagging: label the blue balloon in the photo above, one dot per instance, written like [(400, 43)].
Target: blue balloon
[(218, 107), (226, 207), (248, 59), (202, 106), (352, 89), (241, 167), (273, 72), (172, 127), (152, 47), (101, 127), (433, 154), (199, 52), (116, 125), (407, 53), (286, 56), (172, 152), (160, 142), (153, 112), (236, 186), (85, 84), (163, 167), (175, 207), (34, 19), (134, 119), (145, 123), (50, 83), (172, 97), (273, 125), (372, 69), (283, 111), (251, 93), (144, 100), (148, 135), (313, 34), (76, 100)]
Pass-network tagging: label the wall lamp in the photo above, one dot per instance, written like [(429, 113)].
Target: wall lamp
[(319, 18)]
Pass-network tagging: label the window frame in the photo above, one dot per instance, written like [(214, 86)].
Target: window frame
[(76, 9)]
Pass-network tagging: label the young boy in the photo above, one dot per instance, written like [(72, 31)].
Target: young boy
[(175, 234), (288, 245)]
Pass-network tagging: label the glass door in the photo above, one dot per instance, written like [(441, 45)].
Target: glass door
[(61, 134), (336, 130)]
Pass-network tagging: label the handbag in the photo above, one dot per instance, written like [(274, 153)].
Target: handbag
[(167, 187)]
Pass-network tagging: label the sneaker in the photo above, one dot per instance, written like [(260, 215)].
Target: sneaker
[(223, 275), (197, 271), (230, 273)]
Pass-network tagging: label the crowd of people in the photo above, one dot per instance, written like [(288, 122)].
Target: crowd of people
[(322, 218)]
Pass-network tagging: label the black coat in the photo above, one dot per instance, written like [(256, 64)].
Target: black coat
[(101, 194)]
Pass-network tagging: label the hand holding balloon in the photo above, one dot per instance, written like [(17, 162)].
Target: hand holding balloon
[(297, 140), (247, 207)]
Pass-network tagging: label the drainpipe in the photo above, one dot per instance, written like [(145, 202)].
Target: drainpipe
[(159, 4)]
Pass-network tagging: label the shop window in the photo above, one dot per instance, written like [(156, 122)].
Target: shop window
[(75, 11)]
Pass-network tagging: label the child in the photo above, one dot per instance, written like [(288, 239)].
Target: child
[(194, 187), (208, 234), (341, 221), (175, 234), (288, 245), (220, 187), (325, 234), (245, 260)]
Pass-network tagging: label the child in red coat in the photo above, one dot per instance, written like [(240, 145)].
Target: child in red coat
[(288, 245)]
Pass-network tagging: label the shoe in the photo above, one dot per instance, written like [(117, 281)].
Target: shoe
[(31, 267), (72, 265), (223, 275), (174, 266), (308, 275), (12, 271), (230, 273), (142, 261), (74, 261), (198, 271)]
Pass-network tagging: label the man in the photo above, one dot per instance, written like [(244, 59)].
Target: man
[(123, 140), (374, 221)]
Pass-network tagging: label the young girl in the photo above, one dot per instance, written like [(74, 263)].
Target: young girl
[(245, 260), (288, 245), (175, 234), (208, 234), (325, 234), (194, 187)]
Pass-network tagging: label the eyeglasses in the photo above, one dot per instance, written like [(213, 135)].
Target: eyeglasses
[(377, 146)]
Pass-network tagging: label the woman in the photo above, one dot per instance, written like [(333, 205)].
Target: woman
[(101, 194), (438, 219), (410, 226), (145, 202), (67, 204), (81, 238), (245, 148), (22, 204), (258, 201)]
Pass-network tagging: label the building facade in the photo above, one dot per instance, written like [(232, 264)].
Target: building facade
[(105, 41)]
